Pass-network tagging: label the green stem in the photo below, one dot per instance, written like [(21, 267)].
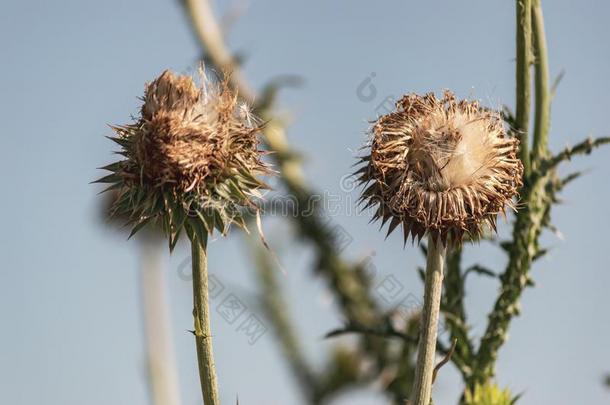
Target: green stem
[(543, 95), (201, 315), (524, 61), (422, 385)]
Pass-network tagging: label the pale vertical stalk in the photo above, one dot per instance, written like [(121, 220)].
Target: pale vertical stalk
[(422, 384), (161, 360), (543, 95), (523, 80), (201, 315)]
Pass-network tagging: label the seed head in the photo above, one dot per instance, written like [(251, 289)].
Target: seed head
[(440, 166), (191, 159)]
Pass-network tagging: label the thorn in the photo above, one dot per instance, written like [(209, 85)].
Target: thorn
[(444, 360)]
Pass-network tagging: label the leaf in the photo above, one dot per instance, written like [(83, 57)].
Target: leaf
[(123, 142), (556, 83), (178, 215), (111, 178), (236, 190), (393, 224), (208, 220), (223, 190), (141, 224), (424, 249), (113, 167), (516, 398), (173, 239), (198, 230), (239, 220), (219, 222), (506, 246), (508, 116), (156, 205), (480, 270), (112, 187)]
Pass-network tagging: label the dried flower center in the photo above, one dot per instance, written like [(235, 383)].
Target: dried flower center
[(449, 152)]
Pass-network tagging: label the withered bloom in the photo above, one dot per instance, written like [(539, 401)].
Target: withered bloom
[(440, 166), (191, 159)]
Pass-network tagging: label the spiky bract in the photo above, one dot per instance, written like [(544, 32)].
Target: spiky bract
[(440, 166), (191, 159), (489, 394)]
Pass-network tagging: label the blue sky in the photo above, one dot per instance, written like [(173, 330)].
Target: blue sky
[(69, 303)]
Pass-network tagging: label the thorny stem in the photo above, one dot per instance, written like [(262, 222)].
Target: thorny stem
[(524, 60), (201, 315), (529, 222), (543, 95), (584, 147), (163, 379), (424, 370), (524, 247)]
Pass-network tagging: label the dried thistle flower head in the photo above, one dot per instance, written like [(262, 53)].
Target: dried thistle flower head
[(191, 159), (440, 166)]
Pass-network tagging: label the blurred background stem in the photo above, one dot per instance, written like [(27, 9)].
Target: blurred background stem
[(347, 281), (161, 360)]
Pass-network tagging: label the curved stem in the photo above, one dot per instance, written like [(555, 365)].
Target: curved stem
[(424, 370), (524, 61), (201, 315)]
